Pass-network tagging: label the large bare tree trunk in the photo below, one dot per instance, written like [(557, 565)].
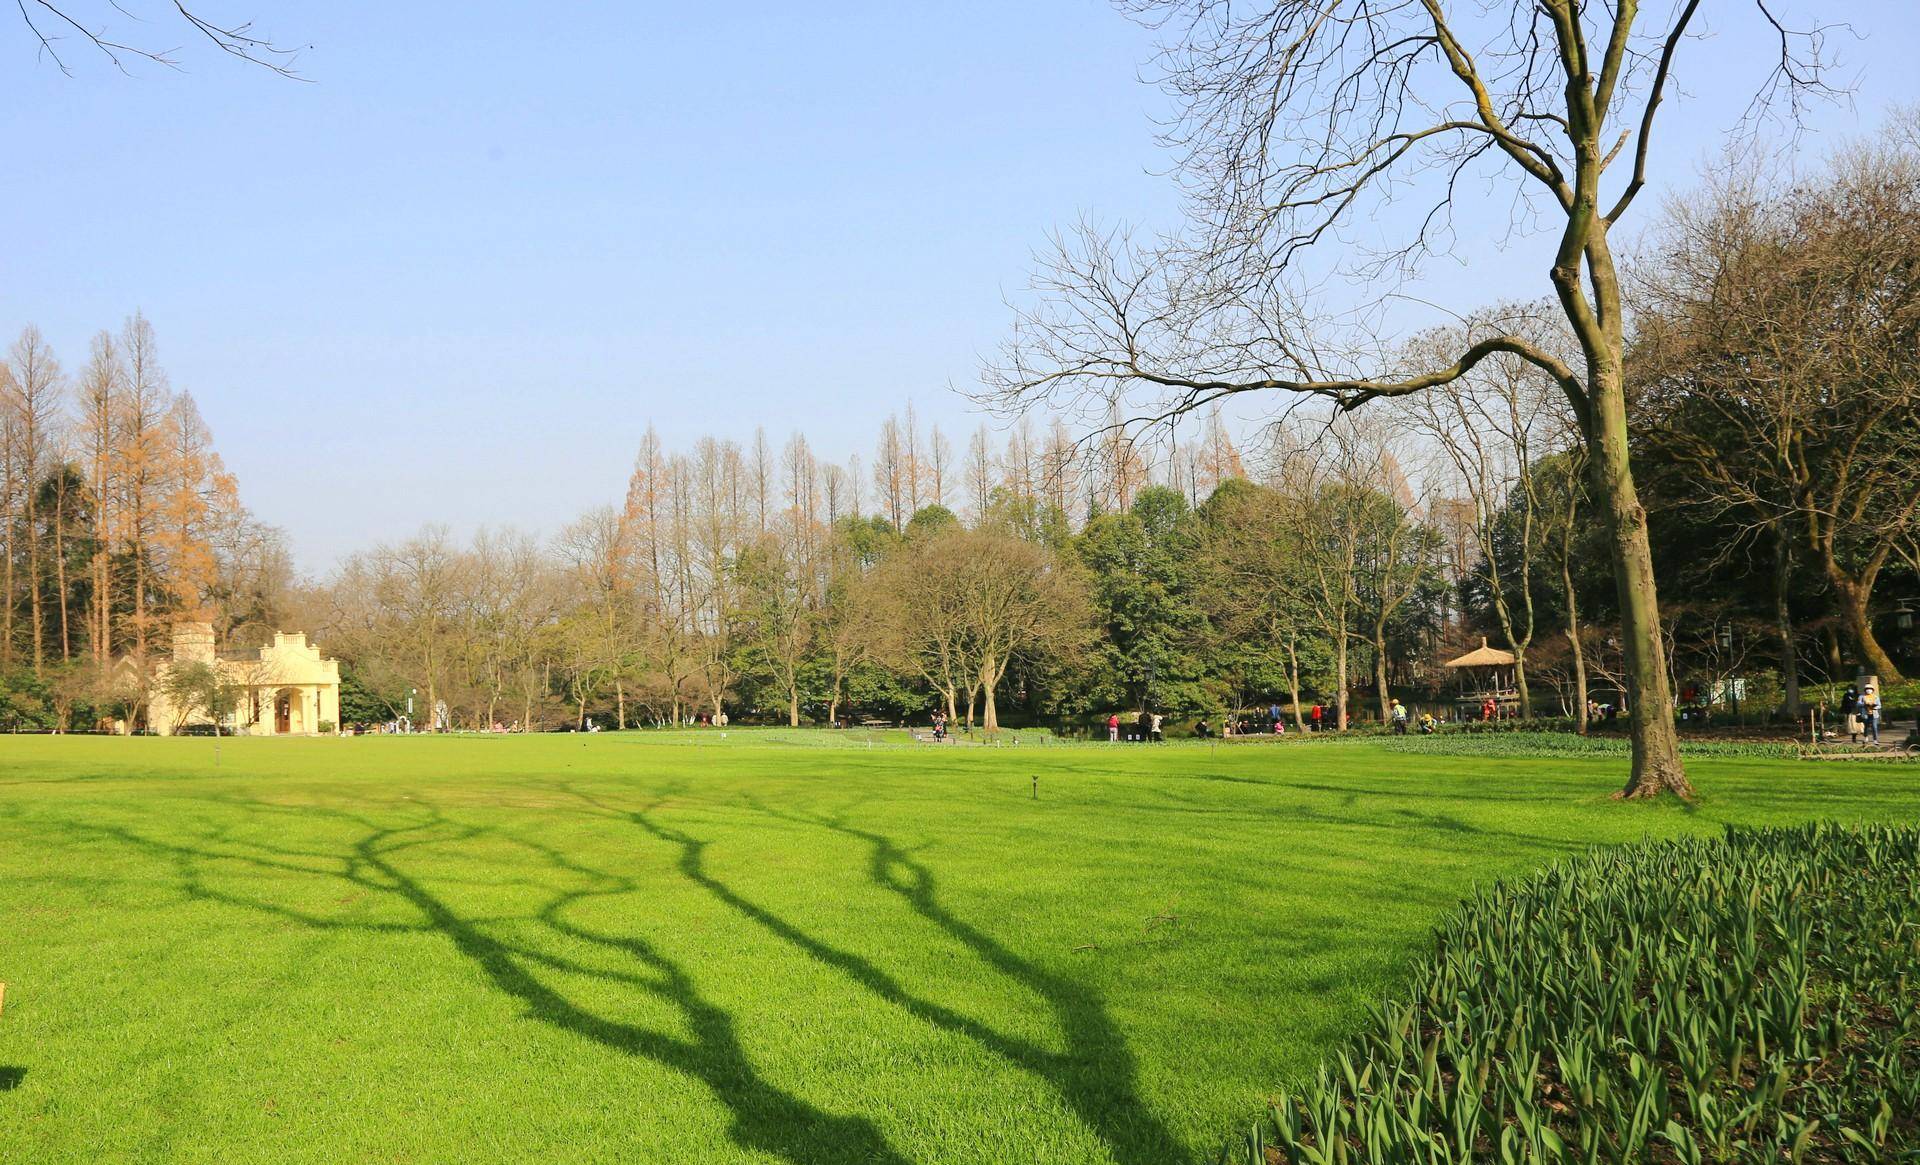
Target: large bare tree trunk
[(1656, 745), (1851, 598)]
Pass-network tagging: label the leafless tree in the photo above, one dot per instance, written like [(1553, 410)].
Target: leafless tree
[(1779, 358), (891, 471), (939, 466), (1493, 428), (1296, 117), (30, 397), (1347, 521), (979, 475)]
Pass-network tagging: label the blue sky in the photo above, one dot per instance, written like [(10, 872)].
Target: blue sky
[(455, 276)]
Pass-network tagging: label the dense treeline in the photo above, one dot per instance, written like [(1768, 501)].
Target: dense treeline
[(734, 580), (1315, 568), (1331, 558)]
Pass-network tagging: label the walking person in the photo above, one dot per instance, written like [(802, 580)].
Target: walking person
[(1315, 715), (1870, 713), (1153, 732), (1399, 714), (1113, 728)]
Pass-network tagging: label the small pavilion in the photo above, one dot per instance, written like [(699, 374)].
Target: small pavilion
[(1485, 673)]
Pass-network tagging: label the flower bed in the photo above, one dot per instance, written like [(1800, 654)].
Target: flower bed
[(1750, 998)]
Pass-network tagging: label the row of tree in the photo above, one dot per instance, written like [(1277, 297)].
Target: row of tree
[(1771, 382), (118, 515), (1331, 570)]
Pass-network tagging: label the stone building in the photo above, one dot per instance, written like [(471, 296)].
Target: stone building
[(282, 689)]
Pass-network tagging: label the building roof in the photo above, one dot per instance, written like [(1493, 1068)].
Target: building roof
[(1484, 656)]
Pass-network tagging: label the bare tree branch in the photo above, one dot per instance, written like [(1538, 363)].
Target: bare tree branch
[(236, 40)]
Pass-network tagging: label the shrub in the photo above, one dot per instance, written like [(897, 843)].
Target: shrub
[(1751, 998)]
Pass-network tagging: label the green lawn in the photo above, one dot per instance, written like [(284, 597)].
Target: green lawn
[(773, 947)]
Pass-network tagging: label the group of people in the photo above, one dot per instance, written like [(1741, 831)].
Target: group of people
[(1149, 726), (1860, 712)]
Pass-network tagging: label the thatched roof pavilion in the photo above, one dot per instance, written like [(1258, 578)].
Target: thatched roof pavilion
[(1487, 673), (1484, 656)]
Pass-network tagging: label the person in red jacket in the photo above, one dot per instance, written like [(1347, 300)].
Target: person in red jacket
[(1113, 726), (1315, 714)]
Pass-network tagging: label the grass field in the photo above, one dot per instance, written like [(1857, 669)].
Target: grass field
[(772, 947)]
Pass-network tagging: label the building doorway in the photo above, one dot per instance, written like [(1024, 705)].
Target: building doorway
[(283, 712)]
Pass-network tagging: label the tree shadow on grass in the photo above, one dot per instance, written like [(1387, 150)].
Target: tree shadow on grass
[(764, 1117), (1094, 1075), (10, 1077)]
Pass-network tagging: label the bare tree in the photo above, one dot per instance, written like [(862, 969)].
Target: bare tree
[(913, 465), (100, 387), (31, 401), (919, 628), (1347, 519), (1297, 117), (1493, 428), (891, 474), (601, 646), (979, 475), (90, 24), (141, 469), (939, 466), (1016, 598), (1778, 357), (760, 477)]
